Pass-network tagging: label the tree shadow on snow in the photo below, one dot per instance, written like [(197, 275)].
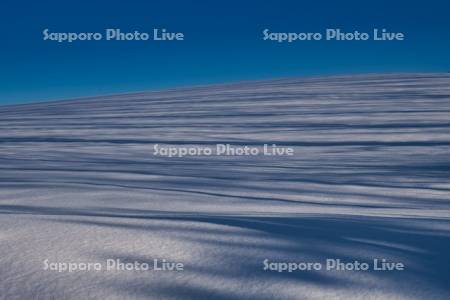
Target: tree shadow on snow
[(242, 242)]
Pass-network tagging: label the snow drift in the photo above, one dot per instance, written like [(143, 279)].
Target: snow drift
[(370, 179)]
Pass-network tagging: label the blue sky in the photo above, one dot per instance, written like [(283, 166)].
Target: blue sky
[(223, 43)]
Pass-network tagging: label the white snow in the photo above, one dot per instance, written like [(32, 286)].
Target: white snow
[(370, 178)]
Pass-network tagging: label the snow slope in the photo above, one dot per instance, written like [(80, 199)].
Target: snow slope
[(370, 178)]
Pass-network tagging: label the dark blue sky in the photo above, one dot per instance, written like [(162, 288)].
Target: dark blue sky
[(223, 43)]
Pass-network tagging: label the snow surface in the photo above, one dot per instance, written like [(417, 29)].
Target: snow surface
[(370, 179)]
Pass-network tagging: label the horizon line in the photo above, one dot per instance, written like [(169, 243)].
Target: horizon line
[(224, 83)]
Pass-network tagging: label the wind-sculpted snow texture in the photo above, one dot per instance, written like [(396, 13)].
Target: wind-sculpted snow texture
[(370, 178)]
